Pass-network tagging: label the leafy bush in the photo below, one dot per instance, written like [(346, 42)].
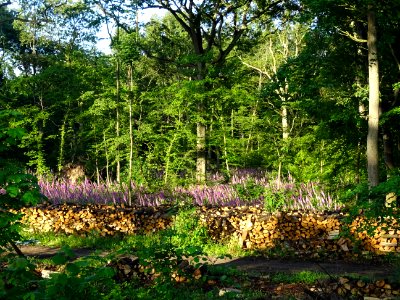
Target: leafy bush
[(377, 205), (188, 232), (17, 189), (376, 201)]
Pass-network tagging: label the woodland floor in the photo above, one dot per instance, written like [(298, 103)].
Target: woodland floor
[(259, 270), (262, 265)]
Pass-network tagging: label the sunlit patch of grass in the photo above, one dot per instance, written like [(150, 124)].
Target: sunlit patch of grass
[(92, 240), (229, 247), (307, 277)]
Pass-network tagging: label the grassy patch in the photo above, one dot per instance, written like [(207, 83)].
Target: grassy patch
[(92, 240), (307, 277), (186, 231)]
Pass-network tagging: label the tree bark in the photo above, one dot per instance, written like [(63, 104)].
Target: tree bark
[(373, 111), (285, 126), (201, 134), (130, 135), (117, 125), (201, 153)]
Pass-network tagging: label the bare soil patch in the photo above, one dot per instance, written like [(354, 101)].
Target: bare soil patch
[(262, 265), (260, 269)]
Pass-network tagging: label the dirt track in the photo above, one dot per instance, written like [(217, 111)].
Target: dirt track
[(260, 265)]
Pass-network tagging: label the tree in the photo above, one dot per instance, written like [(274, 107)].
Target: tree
[(373, 107), (360, 21), (54, 39), (275, 50), (214, 29)]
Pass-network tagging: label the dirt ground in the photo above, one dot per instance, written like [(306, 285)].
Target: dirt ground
[(261, 265), (259, 270)]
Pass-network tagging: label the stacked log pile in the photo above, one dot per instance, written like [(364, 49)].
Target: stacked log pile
[(352, 288), (306, 232), (385, 238), (254, 228), (104, 219)]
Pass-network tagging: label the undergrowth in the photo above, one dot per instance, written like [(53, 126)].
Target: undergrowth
[(94, 277), (186, 231)]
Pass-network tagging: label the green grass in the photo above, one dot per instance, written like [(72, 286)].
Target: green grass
[(160, 249), (307, 277), (185, 232), (92, 240)]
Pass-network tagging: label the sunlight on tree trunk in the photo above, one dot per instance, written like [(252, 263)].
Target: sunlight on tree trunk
[(201, 154), (62, 145), (107, 158), (373, 112), (285, 127), (117, 125)]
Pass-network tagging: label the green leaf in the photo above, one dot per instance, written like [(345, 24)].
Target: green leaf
[(30, 197), (72, 268), (12, 191), (59, 259), (68, 252), (20, 263), (16, 133)]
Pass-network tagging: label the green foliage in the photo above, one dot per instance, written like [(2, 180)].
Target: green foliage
[(307, 277), (274, 200), (188, 232), (18, 189), (378, 205), (373, 200), (17, 279), (165, 254), (80, 279), (250, 190)]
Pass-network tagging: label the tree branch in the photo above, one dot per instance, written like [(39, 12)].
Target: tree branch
[(253, 67), (16, 249), (351, 36), (394, 56)]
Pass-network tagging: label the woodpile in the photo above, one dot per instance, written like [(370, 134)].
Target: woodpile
[(104, 219), (299, 231), (129, 267), (305, 232), (384, 238), (353, 288)]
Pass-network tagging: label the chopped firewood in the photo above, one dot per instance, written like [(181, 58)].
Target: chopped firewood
[(304, 232)]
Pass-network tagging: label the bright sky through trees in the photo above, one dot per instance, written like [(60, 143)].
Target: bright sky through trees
[(145, 15)]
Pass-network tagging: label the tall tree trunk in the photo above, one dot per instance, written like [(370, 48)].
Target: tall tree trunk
[(284, 112), (62, 144), (201, 153), (201, 134), (130, 123), (130, 70), (285, 126), (387, 150), (96, 154), (373, 111), (117, 125), (107, 159)]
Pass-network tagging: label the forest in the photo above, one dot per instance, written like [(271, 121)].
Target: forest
[(280, 104)]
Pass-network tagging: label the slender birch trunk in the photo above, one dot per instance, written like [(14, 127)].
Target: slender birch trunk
[(201, 134), (107, 159)]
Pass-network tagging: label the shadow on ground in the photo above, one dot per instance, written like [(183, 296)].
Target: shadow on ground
[(260, 265)]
